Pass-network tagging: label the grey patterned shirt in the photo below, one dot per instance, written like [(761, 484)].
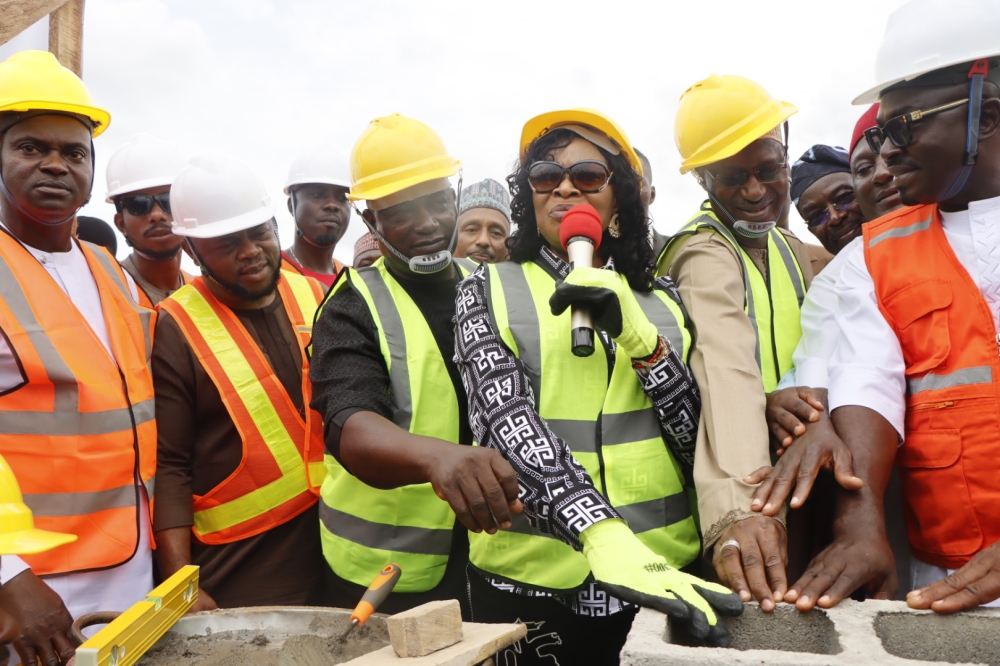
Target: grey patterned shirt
[(558, 495)]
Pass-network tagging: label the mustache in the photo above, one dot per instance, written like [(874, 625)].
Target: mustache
[(901, 161), (158, 227)]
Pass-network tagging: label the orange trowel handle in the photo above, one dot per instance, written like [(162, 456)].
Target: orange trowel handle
[(376, 593)]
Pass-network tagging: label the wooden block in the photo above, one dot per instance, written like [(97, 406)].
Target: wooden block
[(18, 15), (425, 629), (481, 641), (66, 35)]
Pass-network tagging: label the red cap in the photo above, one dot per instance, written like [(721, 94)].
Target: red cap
[(867, 120), (581, 220)]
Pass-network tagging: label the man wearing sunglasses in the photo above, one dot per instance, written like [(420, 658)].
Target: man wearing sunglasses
[(915, 377), (400, 465), (823, 193), (139, 176), (743, 281), (76, 396)]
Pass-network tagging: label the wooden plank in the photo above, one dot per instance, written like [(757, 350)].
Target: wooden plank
[(66, 35), (19, 15), (481, 642)]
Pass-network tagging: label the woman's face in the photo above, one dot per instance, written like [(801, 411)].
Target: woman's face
[(551, 206)]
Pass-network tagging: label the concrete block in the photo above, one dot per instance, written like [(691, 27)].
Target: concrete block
[(426, 628), (850, 634), (480, 643)]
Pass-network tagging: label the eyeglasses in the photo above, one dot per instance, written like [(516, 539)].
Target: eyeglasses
[(764, 174), (899, 130), (141, 204), (588, 176), (840, 204)]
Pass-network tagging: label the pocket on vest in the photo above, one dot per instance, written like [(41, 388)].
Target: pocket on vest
[(920, 314), (939, 514)]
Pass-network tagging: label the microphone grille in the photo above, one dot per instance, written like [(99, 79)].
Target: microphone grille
[(581, 220)]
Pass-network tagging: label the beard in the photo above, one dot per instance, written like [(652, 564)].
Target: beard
[(153, 255), (242, 292), (325, 240)]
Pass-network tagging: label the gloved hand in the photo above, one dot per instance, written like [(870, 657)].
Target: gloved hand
[(612, 305), (625, 567)]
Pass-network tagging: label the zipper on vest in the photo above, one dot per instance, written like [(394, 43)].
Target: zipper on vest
[(933, 405)]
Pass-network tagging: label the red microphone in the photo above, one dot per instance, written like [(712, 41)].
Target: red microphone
[(580, 233)]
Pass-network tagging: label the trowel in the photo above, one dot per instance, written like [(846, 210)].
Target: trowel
[(376, 593)]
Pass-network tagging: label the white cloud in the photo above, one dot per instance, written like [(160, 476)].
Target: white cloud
[(260, 80)]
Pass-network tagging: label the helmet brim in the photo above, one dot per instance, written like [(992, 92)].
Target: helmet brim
[(29, 542), (551, 120), (159, 181), (99, 117), (318, 180), (359, 192), (750, 134), (225, 227)]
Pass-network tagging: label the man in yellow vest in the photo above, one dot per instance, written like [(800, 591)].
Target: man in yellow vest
[(743, 281), (239, 449), (399, 468), (139, 176), (76, 396)]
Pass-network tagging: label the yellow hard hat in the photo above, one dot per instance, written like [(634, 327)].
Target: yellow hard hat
[(589, 118), (34, 80), (721, 115), (394, 153), (18, 535)]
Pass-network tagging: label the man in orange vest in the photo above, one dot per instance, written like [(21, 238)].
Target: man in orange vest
[(239, 448), (915, 377), (317, 186), (76, 396), (139, 176)]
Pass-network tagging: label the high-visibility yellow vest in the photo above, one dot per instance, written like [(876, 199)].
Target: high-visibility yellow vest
[(282, 451), (608, 423), (363, 528), (774, 305)]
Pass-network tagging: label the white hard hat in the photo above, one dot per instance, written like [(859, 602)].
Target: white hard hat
[(320, 164), (215, 195), (144, 161), (926, 35)]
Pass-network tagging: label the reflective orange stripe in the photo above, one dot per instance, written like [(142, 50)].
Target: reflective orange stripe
[(73, 431), (948, 460), (259, 468)]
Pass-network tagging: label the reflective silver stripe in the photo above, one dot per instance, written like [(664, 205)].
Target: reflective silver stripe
[(150, 487), (392, 329), (522, 317), (650, 515), (466, 267), (580, 436), (663, 318), (60, 424), (114, 269), (397, 538), (67, 396), (629, 427), (55, 505), (901, 232), (982, 374), (791, 267), (709, 221)]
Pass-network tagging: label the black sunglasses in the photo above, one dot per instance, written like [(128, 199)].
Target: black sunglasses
[(141, 204), (899, 130), (588, 176), (765, 174), (840, 204)]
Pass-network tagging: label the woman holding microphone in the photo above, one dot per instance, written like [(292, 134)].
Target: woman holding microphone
[(602, 443)]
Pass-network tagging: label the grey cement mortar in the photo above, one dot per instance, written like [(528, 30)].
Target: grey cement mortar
[(851, 634)]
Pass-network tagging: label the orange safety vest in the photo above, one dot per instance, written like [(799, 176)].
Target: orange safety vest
[(144, 299), (82, 424), (948, 462), (282, 466), (286, 265)]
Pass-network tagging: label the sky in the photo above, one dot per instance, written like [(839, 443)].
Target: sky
[(262, 80)]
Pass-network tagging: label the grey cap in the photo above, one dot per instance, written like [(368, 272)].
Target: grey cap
[(486, 193)]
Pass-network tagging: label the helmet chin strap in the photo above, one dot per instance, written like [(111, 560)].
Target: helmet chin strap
[(741, 227), (424, 263), (977, 75), (25, 212)]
